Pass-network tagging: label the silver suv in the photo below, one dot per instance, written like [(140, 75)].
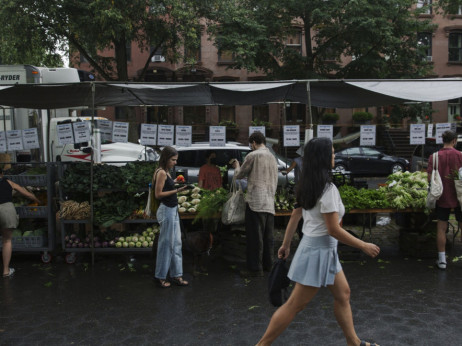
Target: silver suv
[(191, 158)]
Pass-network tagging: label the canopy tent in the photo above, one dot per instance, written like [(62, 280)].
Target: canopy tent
[(322, 93)]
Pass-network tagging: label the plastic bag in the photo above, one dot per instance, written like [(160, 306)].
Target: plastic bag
[(435, 189), (234, 208)]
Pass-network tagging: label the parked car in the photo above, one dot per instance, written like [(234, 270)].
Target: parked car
[(366, 161), (419, 159), (191, 158)]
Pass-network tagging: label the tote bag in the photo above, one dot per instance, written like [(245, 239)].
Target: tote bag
[(234, 208), (153, 203), (435, 189)]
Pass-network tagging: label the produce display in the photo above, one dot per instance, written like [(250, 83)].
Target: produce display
[(72, 210), (145, 239), (284, 200), (403, 190)]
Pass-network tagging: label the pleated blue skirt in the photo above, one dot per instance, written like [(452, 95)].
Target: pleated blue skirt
[(315, 262)]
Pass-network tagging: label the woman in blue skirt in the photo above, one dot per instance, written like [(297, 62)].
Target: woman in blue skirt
[(315, 263)]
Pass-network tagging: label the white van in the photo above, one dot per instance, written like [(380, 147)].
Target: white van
[(108, 151)]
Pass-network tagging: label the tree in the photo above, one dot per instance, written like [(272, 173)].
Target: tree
[(343, 38), (100, 30)]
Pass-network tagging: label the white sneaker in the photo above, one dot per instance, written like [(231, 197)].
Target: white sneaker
[(10, 273), (441, 265)]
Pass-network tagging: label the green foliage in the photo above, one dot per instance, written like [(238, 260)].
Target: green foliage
[(330, 117), (211, 203), (35, 29), (258, 122), (113, 207), (362, 116), (228, 123), (381, 35), (353, 198)]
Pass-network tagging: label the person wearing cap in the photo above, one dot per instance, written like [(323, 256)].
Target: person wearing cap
[(8, 218)]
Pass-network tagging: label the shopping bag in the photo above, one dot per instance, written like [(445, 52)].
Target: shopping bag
[(234, 208), (278, 283), (435, 188), (458, 186), (152, 203)]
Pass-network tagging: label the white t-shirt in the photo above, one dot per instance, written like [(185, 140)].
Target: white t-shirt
[(313, 221)]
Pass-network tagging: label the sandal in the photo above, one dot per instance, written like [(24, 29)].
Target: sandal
[(179, 281), (164, 283), (365, 343), (10, 273)]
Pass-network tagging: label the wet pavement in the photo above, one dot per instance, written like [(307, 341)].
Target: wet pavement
[(396, 300)]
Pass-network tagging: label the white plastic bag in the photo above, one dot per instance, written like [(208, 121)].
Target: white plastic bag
[(234, 208), (435, 189)]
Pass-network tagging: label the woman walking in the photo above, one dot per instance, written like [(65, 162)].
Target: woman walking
[(8, 218), (316, 262), (169, 256)]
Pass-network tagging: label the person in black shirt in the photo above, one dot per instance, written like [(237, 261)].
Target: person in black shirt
[(8, 218), (169, 253)]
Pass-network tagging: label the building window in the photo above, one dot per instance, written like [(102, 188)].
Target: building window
[(227, 113), (157, 115), (424, 41), (426, 5), (455, 47), (260, 112), (157, 57), (225, 56), (294, 41), (453, 108), (295, 113), (121, 113), (194, 115)]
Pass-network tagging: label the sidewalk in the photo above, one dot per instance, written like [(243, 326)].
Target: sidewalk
[(396, 300)]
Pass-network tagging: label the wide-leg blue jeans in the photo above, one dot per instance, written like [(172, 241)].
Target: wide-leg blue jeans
[(169, 256)]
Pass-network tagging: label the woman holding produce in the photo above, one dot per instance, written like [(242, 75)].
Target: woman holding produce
[(8, 218), (316, 262), (169, 256)]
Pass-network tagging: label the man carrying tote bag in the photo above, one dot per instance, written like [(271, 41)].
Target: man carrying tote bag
[(449, 162)]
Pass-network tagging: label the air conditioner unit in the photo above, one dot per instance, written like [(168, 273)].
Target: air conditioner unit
[(158, 58), (429, 58)]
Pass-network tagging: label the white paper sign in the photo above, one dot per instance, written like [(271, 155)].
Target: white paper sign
[(105, 130), (218, 136), (417, 134), (2, 141), (326, 131), (430, 130), (120, 132), (65, 134), (14, 140), (30, 139), (261, 129), (291, 135), (367, 135), (81, 132), (148, 134), (183, 136), (165, 135), (440, 128)]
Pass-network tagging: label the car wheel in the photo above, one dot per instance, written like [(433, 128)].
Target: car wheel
[(340, 168), (397, 168)]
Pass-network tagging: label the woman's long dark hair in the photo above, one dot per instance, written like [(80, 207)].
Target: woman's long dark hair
[(316, 172), (166, 154)]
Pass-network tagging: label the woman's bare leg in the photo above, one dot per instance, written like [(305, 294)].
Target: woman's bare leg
[(7, 249), (342, 309), (300, 297)]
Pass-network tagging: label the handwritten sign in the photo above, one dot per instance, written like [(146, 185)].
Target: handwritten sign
[(120, 132), (65, 134), (14, 140), (326, 131), (81, 132), (183, 136), (165, 135), (148, 134), (2, 141), (30, 139), (367, 135), (291, 135), (105, 130), (218, 136), (417, 134), (440, 128), (261, 129)]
